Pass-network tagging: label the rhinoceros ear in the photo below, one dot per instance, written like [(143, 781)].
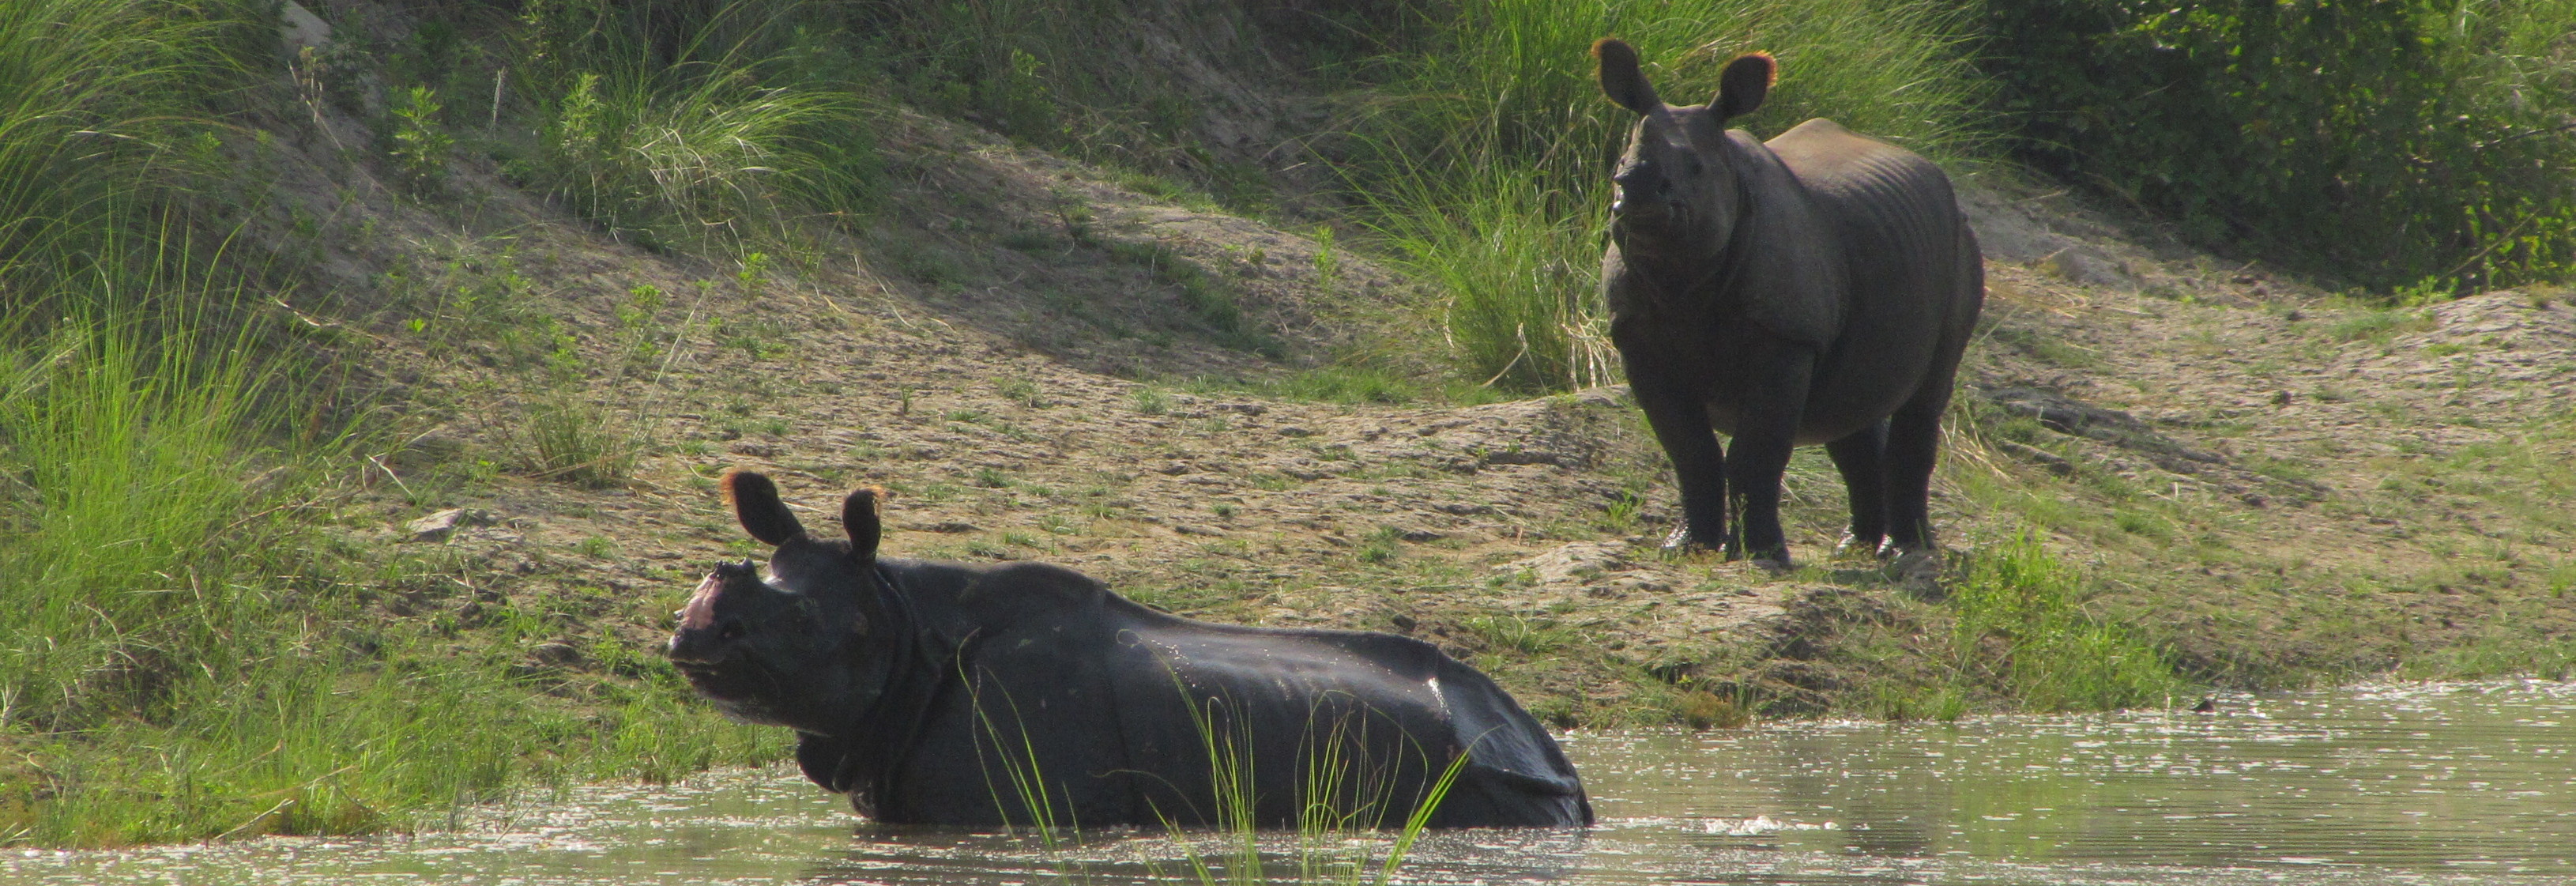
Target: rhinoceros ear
[(755, 502), (1744, 84), (1620, 78), (859, 516)]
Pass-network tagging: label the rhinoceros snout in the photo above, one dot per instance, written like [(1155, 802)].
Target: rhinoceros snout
[(706, 644), (1637, 186)]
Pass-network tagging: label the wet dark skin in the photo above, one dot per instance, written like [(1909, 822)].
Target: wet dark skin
[(949, 694)]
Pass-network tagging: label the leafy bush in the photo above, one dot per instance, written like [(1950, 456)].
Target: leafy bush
[(419, 147), (2382, 141)]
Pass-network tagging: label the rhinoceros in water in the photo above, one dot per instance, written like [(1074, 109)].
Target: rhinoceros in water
[(1022, 693), (1816, 288)]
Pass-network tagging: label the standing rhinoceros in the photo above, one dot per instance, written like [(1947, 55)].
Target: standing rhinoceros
[(1021, 693), (1816, 288)]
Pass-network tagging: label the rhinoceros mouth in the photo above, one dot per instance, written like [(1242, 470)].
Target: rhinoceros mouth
[(727, 679), (1647, 219)]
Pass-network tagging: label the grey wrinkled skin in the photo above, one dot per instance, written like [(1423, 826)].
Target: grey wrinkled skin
[(1816, 288), (986, 696)]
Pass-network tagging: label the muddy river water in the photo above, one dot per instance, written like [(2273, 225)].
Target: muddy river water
[(2408, 783)]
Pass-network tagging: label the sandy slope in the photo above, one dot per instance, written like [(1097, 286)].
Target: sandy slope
[(2269, 480)]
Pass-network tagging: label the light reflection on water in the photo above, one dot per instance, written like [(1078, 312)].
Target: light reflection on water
[(2456, 783)]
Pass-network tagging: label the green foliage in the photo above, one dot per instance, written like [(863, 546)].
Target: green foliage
[(95, 98), (186, 656), (2022, 629), (1150, 400), (1340, 384), (419, 147), (188, 652), (711, 152), (693, 120), (125, 456), (569, 439), (1484, 155), (2382, 141), (1519, 270)]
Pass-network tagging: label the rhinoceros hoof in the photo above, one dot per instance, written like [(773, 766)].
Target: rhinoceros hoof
[(1851, 546), (1683, 540)]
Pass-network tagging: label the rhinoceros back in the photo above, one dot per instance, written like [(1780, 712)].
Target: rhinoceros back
[(1356, 720), (1899, 238), (1078, 707)]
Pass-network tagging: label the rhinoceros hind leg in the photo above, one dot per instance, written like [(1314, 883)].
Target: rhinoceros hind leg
[(1913, 443), (1862, 460)]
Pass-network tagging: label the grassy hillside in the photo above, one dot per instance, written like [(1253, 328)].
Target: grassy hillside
[(1228, 306)]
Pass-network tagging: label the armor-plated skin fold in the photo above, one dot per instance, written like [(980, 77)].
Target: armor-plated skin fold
[(1816, 288)]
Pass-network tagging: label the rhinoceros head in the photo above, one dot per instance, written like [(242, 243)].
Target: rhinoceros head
[(789, 648), (1677, 192)]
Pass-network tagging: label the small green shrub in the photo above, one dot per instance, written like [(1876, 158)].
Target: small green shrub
[(569, 439), (1150, 400), (671, 124), (2022, 629), (419, 147)]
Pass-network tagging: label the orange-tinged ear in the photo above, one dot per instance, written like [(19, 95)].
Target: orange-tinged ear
[(755, 503), (860, 518), (1620, 77), (1744, 84)]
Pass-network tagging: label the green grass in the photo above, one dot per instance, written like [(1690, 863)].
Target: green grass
[(2022, 630), (94, 100), (190, 649), (191, 655), (1209, 297), (712, 153), (572, 440)]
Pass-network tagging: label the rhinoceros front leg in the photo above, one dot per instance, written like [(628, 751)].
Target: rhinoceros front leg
[(1680, 420), (1766, 430)]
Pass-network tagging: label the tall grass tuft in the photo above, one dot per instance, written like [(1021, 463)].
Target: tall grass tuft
[(93, 94), (2022, 629), (691, 127), (125, 456), (1484, 157), (687, 153), (1521, 308)]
